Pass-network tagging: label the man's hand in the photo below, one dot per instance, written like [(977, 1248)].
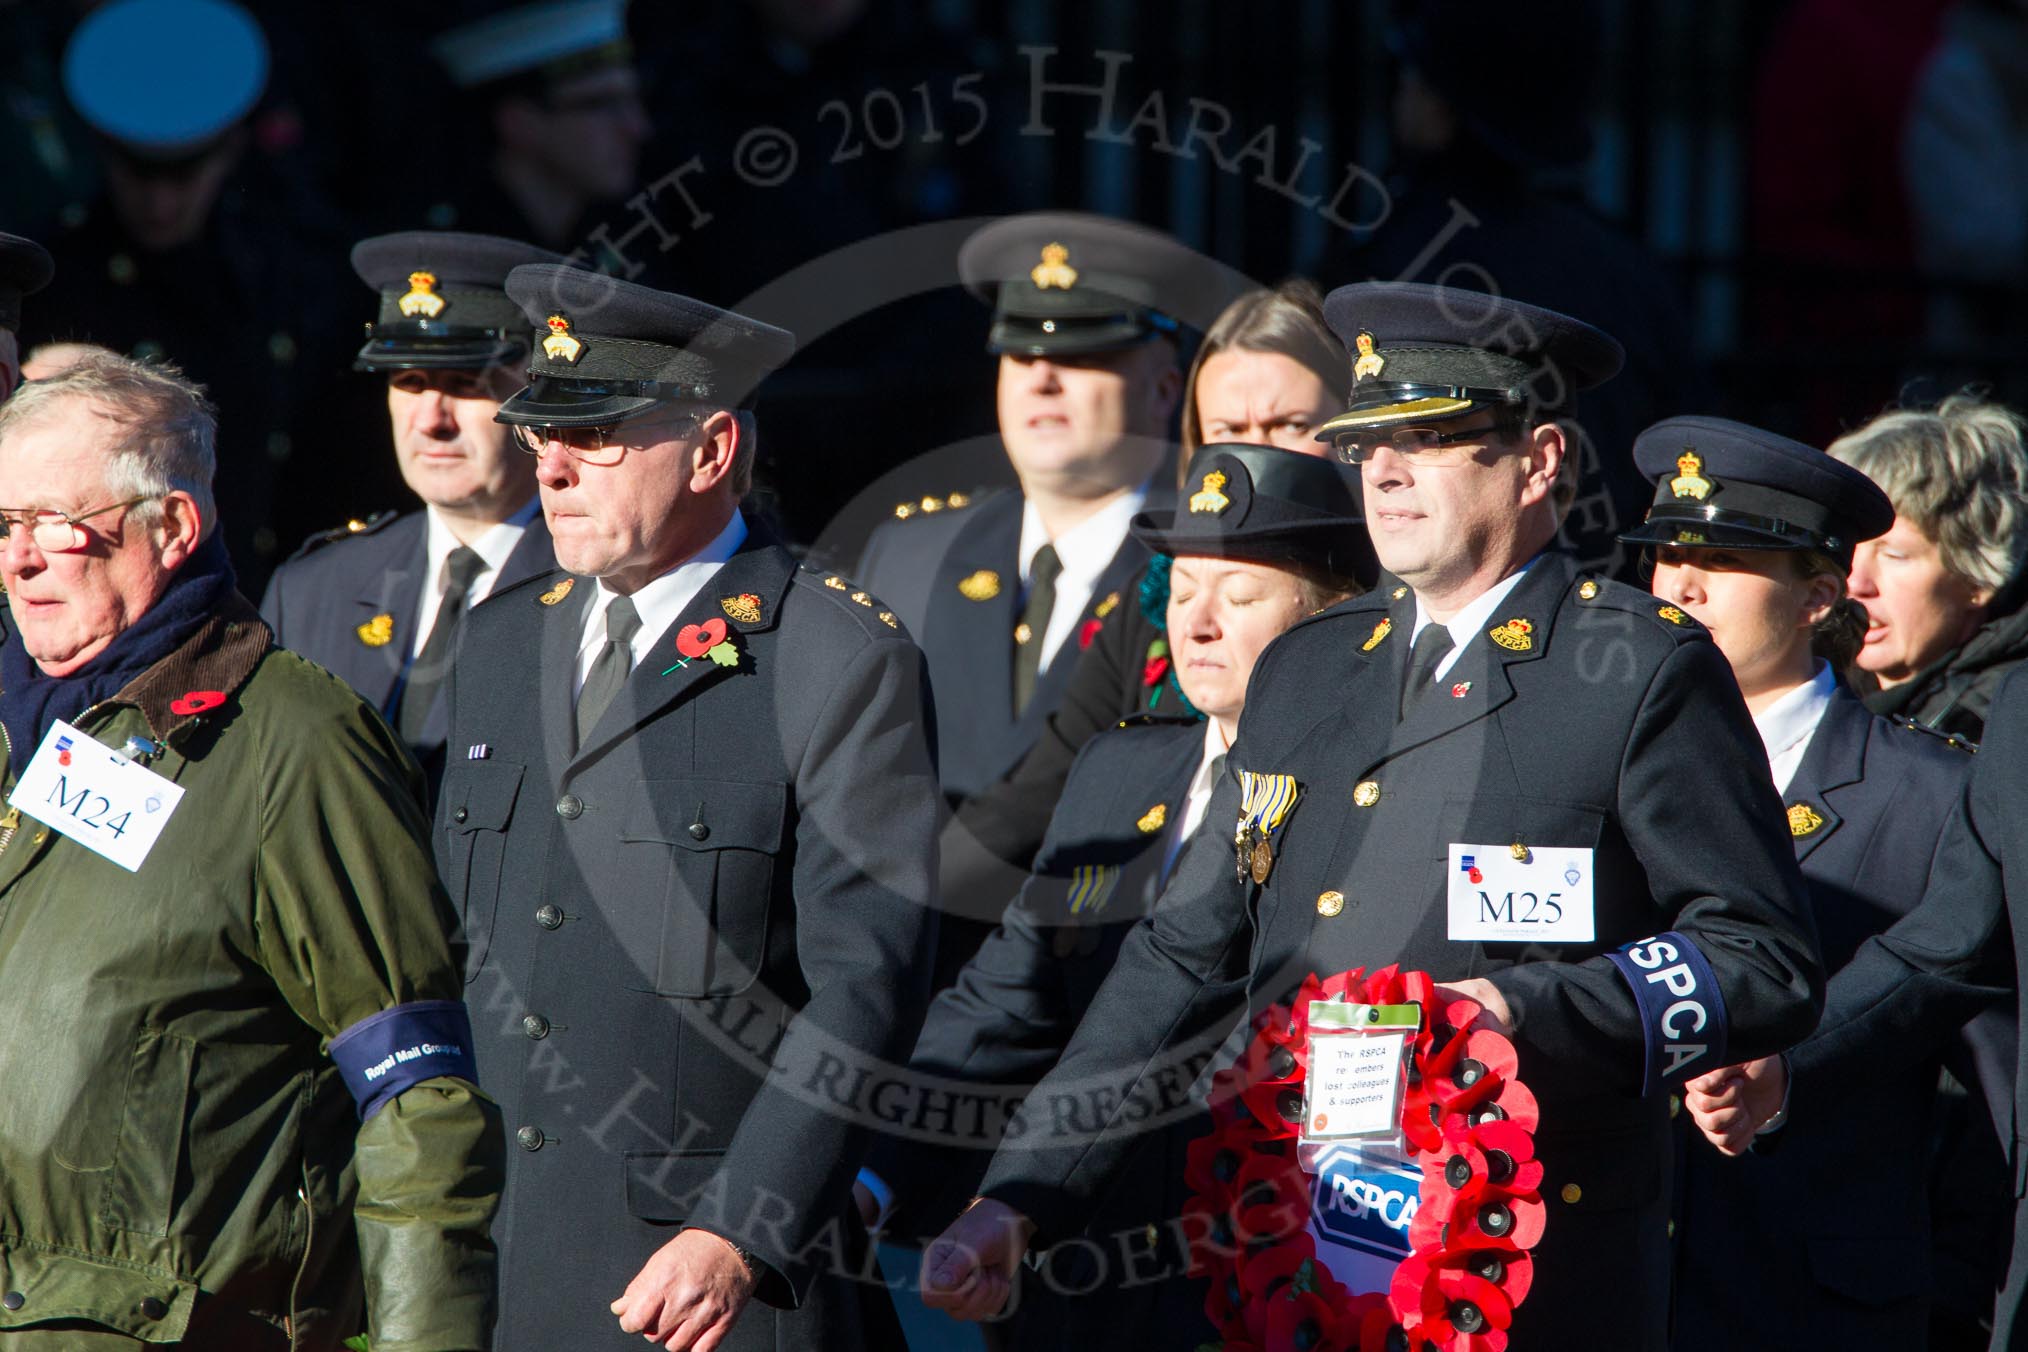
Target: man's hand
[(968, 1270), (688, 1295), (867, 1205), (1487, 996), (1731, 1104)]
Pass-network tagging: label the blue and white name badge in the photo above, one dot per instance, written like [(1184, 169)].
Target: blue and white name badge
[(83, 789), (1521, 894)]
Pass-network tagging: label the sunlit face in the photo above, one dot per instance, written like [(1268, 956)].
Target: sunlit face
[(1434, 525), (1097, 420), (1917, 609), (1758, 606), (1222, 614), (68, 605), (1263, 399), (452, 454), (633, 519)]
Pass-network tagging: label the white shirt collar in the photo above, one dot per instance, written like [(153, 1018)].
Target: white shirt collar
[(1202, 785), (1787, 725), (1084, 551), (493, 546), (1471, 617), (660, 601)]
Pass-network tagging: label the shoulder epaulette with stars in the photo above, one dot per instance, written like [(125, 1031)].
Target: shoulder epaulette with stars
[(848, 594), (346, 532), (930, 506), (1604, 593)]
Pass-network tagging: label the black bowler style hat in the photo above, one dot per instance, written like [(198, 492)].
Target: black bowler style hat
[(25, 268), (607, 350), (1423, 352), (1268, 505), (1065, 283), (443, 300), (1723, 483)]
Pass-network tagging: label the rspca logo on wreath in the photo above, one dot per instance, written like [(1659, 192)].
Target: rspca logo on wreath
[(1361, 1205)]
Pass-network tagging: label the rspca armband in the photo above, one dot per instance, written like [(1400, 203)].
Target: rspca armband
[(1682, 1013), (388, 1052)]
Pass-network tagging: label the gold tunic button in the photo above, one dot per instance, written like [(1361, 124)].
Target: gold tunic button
[(1366, 793), (1571, 1193), (1330, 903), (1587, 589)]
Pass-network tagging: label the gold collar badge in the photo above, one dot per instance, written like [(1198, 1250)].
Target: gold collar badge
[(1370, 363), (422, 298), (558, 592), (377, 632), (1210, 498), (1671, 614), (1515, 635), (1054, 270), (1380, 631), (745, 607), (1803, 819), (560, 345), (983, 585), (1153, 819), (1690, 481)]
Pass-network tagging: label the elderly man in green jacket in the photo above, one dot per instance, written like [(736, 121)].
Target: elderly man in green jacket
[(236, 1084)]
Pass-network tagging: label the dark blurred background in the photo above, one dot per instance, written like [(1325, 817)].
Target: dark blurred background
[(1795, 214)]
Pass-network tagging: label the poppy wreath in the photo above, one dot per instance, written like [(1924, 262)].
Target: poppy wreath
[(1471, 1125)]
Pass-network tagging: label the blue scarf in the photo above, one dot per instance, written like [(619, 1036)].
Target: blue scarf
[(31, 702)]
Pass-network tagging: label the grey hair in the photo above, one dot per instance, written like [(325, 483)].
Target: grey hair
[(1959, 473), (172, 429)]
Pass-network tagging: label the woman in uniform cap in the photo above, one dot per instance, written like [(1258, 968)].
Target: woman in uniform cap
[(1751, 535), (1944, 585), (1261, 538)]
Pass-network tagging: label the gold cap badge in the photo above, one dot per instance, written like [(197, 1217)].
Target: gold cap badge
[(1803, 819), (1516, 635), (1054, 269), (745, 607), (1370, 363), (1380, 631), (558, 592), (422, 298), (560, 345), (1690, 481), (1153, 819), (1209, 498), (983, 585), (376, 632)]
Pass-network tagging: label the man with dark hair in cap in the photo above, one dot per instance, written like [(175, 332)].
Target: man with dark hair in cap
[(564, 122), (25, 268), (689, 815), (1752, 534), (1000, 590), (379, 602), (1503, 705)]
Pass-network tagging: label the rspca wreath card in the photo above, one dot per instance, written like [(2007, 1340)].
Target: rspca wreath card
[(82, 788)]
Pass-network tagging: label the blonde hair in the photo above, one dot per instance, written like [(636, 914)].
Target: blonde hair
[(1959, 474), (172, 429)]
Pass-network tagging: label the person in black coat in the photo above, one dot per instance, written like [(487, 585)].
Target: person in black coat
[(1752, 534), (689, 821), (1502, 704), (1269, 371), (379, 602), (1285, 544)]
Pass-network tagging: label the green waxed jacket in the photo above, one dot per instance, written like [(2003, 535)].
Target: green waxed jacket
[(180, 1161)]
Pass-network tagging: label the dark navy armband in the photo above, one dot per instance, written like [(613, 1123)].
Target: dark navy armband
[(385, 1053), (1682, 1012)]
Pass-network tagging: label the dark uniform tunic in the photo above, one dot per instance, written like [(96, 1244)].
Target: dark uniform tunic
[(728, 878), (1612, 728), (1014, 1008), (1820, 1236)]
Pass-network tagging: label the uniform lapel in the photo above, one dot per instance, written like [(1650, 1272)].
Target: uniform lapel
[(1835, 758), (1378, 659), (1055, 678), (1479, 681), (385, 610), (562, 636), (971, 632), (532, 554), (758, 576)]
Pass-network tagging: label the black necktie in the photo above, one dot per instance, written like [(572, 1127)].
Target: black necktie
[(1432, 645), (432, 666), (1034, 624), (610, 669)]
